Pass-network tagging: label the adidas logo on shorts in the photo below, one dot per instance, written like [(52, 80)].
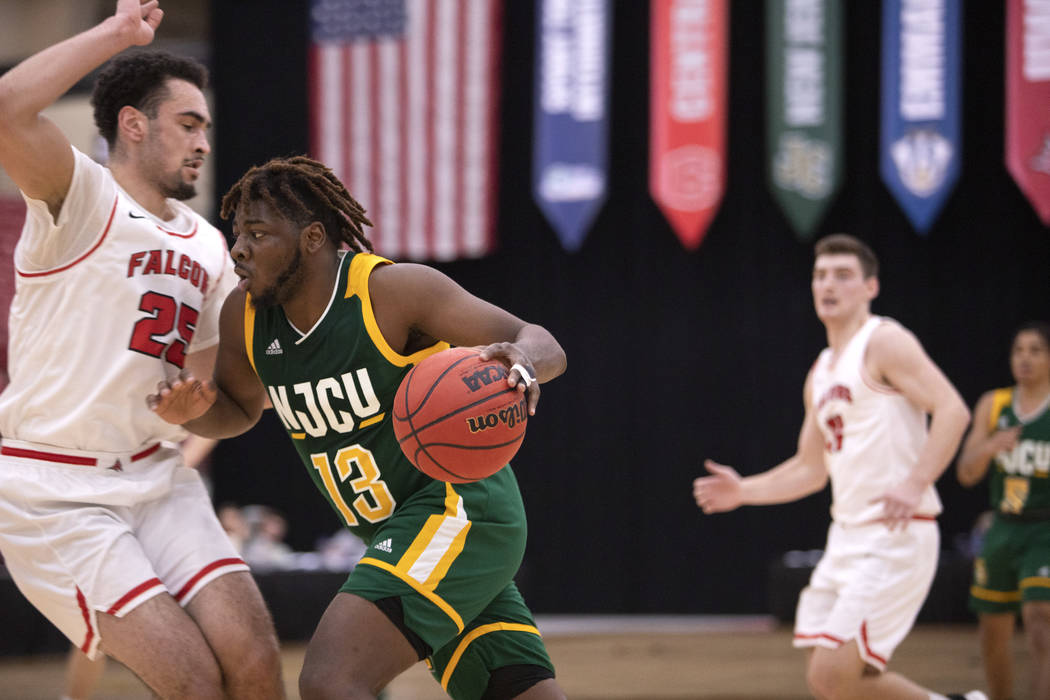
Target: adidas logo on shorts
[(275, 348), (385, 546)]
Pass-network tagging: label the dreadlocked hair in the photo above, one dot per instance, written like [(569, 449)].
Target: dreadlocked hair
[(303, 190)]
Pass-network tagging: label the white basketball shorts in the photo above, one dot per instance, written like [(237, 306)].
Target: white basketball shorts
[(83, 533), (869, 586)]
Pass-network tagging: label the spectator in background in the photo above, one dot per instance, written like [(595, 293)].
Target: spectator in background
[(1009, 442)]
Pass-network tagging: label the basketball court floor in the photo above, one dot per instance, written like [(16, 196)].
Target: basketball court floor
[(624, 658)]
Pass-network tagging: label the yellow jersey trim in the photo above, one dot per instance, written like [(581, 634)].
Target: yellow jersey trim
[(429, 595), (474, 634), (995, 596), (1000, 400), (249, 329), (357, 284), (371, 421)]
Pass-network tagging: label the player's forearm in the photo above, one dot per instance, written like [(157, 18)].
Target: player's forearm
[(974, 462), (226, 418), (545, 353), (788, 481), (946, 430), (35, 83)]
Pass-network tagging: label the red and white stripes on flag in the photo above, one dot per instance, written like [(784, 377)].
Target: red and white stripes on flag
[(406, 114)]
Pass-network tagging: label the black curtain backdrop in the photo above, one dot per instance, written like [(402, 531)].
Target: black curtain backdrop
[(674, 356)]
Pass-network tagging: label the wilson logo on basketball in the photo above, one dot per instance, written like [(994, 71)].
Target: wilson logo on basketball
[(509, 417), (484, 377)]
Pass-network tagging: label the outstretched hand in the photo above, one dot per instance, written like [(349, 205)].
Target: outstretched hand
[(522, 375), (146, 15), (182, 399), (719, 492)]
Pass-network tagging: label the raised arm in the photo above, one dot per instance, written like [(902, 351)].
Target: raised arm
[(409, 298), (982, 443), (800, 475), (33, 151), (896, 358)]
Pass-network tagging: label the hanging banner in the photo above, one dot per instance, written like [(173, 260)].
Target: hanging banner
[(689, 44), (920, 140), (804, 107), (1028, 101), (570, 116), (404, 101)]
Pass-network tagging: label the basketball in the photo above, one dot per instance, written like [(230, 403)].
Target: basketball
[(455, 417)]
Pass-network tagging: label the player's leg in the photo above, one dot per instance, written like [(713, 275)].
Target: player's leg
[(1036, 616), (840, 673), (163, 646), (996, 631), (354, 653), (200, 566), (237, 626), (82, 674)]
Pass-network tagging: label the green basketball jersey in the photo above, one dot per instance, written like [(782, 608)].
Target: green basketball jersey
[(333, 387), (1019, 478)]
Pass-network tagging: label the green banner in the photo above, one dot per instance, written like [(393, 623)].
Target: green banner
[(804, 102)]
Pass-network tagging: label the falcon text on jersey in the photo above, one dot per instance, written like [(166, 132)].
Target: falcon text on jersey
[(168, 262)]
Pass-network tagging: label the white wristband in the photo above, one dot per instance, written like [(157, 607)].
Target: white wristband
[(525, 376)]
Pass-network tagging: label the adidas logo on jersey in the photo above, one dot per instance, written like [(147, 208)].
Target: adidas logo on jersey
[(275, 348), (385, 546)]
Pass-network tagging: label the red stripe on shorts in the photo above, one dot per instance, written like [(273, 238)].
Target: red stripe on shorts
[(867, 648), (82, 602), (204, 572), (142, 587), (821, 635)]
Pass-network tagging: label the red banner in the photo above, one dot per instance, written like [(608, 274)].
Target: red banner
[(689, 43), (1028, 101)]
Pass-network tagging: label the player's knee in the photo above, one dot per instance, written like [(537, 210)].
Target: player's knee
[(256, 662), (826, 681), (1036, 617), (323, 682)]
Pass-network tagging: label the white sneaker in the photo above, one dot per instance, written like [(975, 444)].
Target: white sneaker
[(972, 695)]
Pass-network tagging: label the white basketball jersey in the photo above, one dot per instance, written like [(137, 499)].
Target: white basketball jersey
[(108, 301), (872, 434)]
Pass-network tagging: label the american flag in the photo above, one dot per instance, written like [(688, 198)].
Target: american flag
[(404, 103)]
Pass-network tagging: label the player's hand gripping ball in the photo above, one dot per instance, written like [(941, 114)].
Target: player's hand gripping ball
[(455, 417)]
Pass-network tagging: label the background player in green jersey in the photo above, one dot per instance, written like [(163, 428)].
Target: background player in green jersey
[(327, 334), (1010, 441)]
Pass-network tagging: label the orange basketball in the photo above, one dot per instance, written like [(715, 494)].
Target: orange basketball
[(455, 417)]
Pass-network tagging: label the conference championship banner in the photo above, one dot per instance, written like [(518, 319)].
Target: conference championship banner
[(571, 113), (920, 140), (1028, 100), (689, 44), (804, 89), (404, 99)]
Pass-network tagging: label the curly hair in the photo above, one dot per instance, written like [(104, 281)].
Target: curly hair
[(139, 79), (303, 190)]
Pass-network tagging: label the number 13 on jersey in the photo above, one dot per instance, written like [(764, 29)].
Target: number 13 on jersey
[(374, 501)]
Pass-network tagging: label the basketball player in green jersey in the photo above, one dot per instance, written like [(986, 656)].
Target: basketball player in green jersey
[(1010, 441), (326, 335)]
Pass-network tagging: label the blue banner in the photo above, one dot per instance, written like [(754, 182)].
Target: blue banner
[(920, 140), (570, 123)]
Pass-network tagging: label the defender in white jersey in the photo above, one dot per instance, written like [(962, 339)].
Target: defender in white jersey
[(118, 288), (867, 399)]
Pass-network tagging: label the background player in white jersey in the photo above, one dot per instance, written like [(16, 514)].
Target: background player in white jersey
[(118, 287), (865, 426)]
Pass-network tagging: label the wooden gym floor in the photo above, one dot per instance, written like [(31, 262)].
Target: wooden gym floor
[(624, 658)]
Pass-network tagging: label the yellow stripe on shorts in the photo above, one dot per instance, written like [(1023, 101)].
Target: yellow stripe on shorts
[(474, 634), (1035, 582), (437, 545), (429, 595), (995, 596)]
